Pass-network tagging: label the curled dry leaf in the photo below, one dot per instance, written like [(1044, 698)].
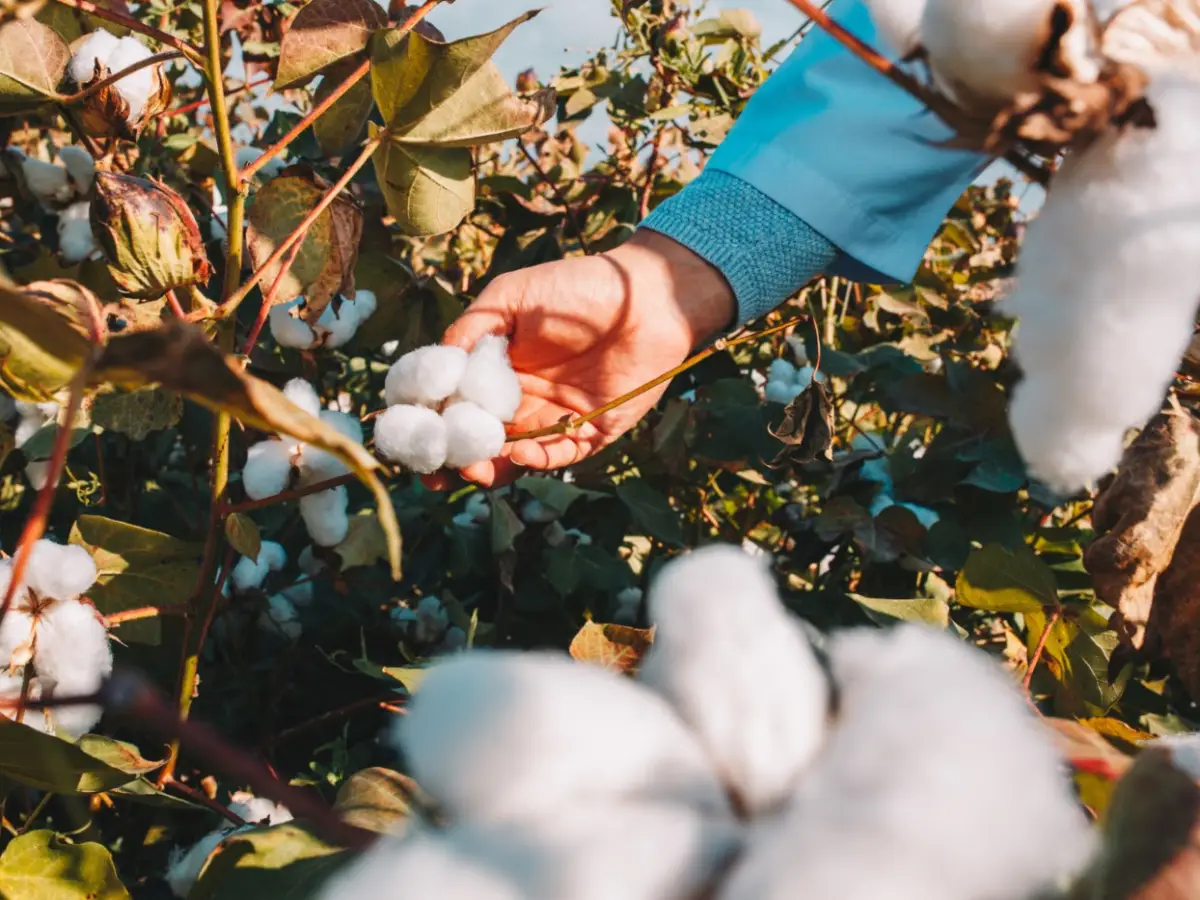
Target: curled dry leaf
[(1140, 516), (807, 426), (1174, 623), (616, 647), (323, 33), (149, 236)]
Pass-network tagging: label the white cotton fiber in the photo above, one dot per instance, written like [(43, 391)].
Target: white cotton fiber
[(489, 380), (424, 624), (249, 574), (15, 632), (60, 571), (268, 469), (339, 327), (184, 866), (426, 376), (258, 810), (80, 165), (764, 719), (304, 395), (472, 435), (413, 436), (46, 181), (1106, 291), (983, 53), (98, 45), (76, 242), (319, 465), (498, 736), (309, 563), (137, 87), (899, 23), (937, 783), (286, 329), (280, 617), (72, 657), (324, 515)]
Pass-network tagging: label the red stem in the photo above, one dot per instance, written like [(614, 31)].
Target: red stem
[(271, 298), (204, 101), (1041, 646)]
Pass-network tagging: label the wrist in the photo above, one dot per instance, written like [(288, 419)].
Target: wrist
[(677, 283)]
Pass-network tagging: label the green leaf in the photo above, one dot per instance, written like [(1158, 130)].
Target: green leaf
[(589, 567), (556, 493), (413, 74), (323, 33), (375, 799), (427, 190), (243, 535), (33, 59), (342, 124), (506, 525), (365, 543), (286, 862), (41, 444), (1000, 580), (42, 340), (651, 511), (42, 866), (39, 760), (138, 567), (137, 413), (927, 610)]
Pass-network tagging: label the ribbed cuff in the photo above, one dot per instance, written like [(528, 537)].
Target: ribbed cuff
[(765, 253)]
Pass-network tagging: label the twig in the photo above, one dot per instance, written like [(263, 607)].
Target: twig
[(204, 101), (82, 95), (204, 800), (648, 186), (331, 715), (559, 197), (1051, 621), (270, 298), (143, 612), (190, 51)]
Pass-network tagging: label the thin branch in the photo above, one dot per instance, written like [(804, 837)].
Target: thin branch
[(190, 51), (1040, 649), (648, 186), (559, 197), (143, 612), (100, 85), (204, 101), (270, 299)]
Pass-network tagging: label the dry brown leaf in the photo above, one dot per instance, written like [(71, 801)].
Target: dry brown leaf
[(616, 647), (1140, 516), (1174, 623)]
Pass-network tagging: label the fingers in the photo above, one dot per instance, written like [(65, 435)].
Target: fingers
[(547, 453)]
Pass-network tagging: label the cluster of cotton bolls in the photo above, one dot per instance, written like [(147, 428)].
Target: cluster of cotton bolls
[(333, 328), (427, 625), (733, 766), (1109, 272), (61, 186), (787, 380), (115, 54), (272, 464), (184, 866), (51, 627), (447, 407), (31, 418), (281, 616)]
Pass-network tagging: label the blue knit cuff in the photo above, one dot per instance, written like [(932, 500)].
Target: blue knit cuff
[(765, 253)]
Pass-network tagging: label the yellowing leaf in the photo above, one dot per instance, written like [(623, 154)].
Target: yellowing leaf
[(427, 190), (365, 543), (42, 866), (33, 59), (286, 861), (1000, 580), (337, 130), (616, 647), (42, 339), (321, 34), (375, 799), (243, 535), (35, 759), (929, 610)]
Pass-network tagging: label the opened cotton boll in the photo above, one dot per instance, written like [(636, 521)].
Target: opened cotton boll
[(427, 376), (81, 166), (424, 624), (249, 574), (489, 380), (472, 435), (321, 465), (304, 395), (325, 517), (59, 571), (899, 23), (286, 329), (413, 436), (120, 108), (268, 469), (48, 182), (76, 242), (280, 617)]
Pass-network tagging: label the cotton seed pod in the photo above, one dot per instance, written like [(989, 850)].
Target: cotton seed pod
[(108, 113), (149, 236)]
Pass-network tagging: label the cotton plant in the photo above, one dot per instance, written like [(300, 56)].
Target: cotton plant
[(427, 626), (447, 407), (735, 764), (185, 865), (101, 54), (333, 329), (273, 465), (785, 381), (60, 183), (54, 635)]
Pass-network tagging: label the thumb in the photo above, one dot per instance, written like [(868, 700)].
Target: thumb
[(492, 313)]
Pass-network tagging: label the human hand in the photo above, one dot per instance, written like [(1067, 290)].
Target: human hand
[(586, 330)]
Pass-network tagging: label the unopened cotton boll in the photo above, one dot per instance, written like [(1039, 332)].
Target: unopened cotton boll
[(268, 469), (47, 181), (304, 395), (59, 571), (413, 436), (983, 54), (489, 380), (717, 610), (882, 811), (899, 23), (286, 329), (80, 166), (1106, 290), (497, 736), (426, 376), (472, 435), (76, 242), (325, 518)]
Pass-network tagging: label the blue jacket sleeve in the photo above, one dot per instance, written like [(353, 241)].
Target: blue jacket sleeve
[(829, 157)]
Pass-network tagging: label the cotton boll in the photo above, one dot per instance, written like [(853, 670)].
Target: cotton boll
[(258, 810), (340, 327), (497, 736), (781, 370), (413, 436), (59, 571), (363, 304), (80, 166), (273, 555), (287, 330), (280, 617), (426, 624), (983, 53), (299, 594), (268, 469), (184, 866), (309, 563), (472, 435), (137, 87), (882, 812), (426, 376), (249, 574), (99, 45), (477, 507), (324, 515), (73, 657), (763, 721), (304, 395), (1106, 290), (16, 630), (320, 465), (782, 392), (76, 242), (898, 22), (489, 380), (46, 181)]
